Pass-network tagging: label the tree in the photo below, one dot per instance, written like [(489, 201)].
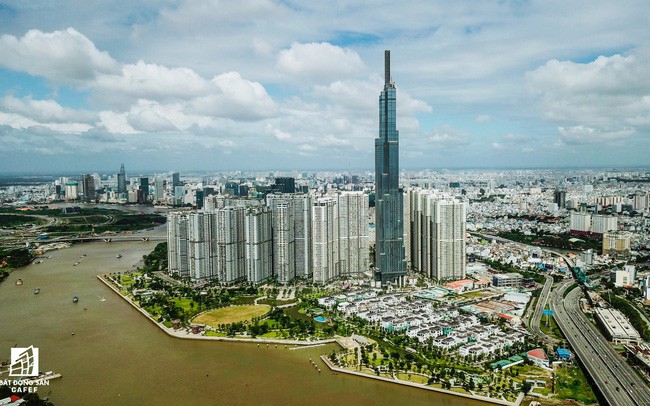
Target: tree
[(526, 387)]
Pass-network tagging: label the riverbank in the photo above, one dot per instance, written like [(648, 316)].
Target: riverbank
[(184, 334), (334, 368)]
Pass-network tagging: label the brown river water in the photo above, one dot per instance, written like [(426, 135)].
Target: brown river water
[(117, 357)]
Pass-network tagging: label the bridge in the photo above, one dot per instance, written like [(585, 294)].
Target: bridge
[(105, 238)]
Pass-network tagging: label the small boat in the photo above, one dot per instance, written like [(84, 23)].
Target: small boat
[(75, 299), (19, 282), (37, 291), (101, 299), (119, 256), (76, 263)]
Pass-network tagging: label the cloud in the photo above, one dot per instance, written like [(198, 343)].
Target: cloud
[(319, 62), (149, 81), (65, 56), (236, 98), (581, 134), (149, 121), (599, 101), (45, 111), (448, 136)]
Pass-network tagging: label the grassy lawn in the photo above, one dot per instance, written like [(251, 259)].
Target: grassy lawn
[(184, 303), (231, 314), (473, 295), (294, 312), (412, 378), (211, 333), (552, 330), (272, 334), (570, 383), (126, 280), (244, 300)]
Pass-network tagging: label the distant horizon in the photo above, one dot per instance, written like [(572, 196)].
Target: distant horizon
[(352, 170)]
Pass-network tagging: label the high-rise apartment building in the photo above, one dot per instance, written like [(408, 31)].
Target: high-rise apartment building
[(325, 240), (300, 208), (259, 248), (284, 254), (438, 224), (177, 244), (352, 213), (390, 262), (600, 224), (580, 223)]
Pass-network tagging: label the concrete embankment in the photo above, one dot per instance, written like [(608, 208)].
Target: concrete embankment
[(333, 367), (186, 335)]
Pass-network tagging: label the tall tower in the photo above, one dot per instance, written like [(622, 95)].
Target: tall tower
[(121, 180), (390, 262)]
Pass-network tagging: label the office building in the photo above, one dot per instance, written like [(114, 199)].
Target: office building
[(559, 198), (623, 277), (390, 262), (144, 187), (285, 185), (176, 179), (121, 181), (159, 189), (88, 187)]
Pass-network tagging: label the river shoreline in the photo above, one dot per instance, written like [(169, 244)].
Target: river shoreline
[(187, 335), (181, 334), (334, 368)]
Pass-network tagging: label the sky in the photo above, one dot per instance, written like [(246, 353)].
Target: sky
[(294, 85)]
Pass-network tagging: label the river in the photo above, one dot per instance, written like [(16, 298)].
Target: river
[(117, 357)]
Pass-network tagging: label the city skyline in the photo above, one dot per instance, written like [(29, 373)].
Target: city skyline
[(261, 85)]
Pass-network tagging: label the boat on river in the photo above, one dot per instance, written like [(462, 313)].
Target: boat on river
[(75, 299), (37, 291)]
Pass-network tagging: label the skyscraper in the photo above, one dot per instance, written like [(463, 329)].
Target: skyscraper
[(389, 250), (121, 180)]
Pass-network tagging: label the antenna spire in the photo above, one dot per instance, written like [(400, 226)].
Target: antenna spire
[(387, 66)]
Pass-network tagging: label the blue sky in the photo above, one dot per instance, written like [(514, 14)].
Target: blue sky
[(263, 85)]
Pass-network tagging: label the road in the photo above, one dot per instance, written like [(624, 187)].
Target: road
[(615, 379), (536, 317)]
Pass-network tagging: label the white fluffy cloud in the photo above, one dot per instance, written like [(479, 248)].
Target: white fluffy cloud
[(319, 62), (600, 101), (65, 56)]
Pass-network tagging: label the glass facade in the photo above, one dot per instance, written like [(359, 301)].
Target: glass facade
[(390, 260)]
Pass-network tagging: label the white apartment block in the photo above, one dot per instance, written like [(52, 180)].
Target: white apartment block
[(580, 222), (352, 211), (437, 234), (259, 263), (600, 224), (284, 255), (325, 240)]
